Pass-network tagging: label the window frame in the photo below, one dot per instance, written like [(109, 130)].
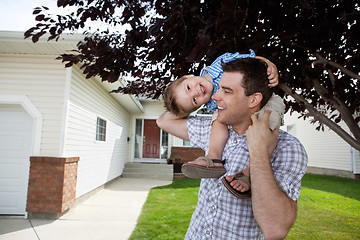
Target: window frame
[(101, 127)]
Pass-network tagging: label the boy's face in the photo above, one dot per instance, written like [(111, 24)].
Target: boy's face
[(193, 92)]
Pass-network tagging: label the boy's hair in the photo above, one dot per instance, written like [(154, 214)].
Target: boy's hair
[(255, 77), (170, 101)]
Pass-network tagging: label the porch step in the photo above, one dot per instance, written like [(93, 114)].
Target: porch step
[(149, 170)]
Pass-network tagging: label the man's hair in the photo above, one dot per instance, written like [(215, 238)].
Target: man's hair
[(255, 77), (170, 101)]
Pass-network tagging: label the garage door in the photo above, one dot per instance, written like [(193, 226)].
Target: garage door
[(15, 150)]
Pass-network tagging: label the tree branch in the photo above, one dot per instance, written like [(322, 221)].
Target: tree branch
[(332, 77), (323, 61), (321, 117), (346, 115)]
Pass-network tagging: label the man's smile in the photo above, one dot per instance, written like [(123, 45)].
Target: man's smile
[(220, 108)]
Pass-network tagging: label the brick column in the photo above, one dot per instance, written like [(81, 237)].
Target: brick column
[(52, 186), (186, 154), (181, 155)]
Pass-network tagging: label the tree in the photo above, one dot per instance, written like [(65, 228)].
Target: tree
[(313, 43)]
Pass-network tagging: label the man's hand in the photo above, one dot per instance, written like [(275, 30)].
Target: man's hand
[(260, 139)]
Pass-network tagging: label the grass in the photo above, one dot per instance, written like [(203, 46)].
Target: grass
[(167, 211), (328, 208)]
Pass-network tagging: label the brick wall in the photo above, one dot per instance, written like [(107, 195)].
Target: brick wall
[(186, 154), (181, 155), (52, 184)]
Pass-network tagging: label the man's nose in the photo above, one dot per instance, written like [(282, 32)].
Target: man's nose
[(215, 96)]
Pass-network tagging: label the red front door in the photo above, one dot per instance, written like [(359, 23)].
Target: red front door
[(151, 141)]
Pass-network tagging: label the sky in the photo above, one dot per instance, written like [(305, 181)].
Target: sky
[(16, 15)]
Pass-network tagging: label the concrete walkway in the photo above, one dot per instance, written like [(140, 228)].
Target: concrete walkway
[(111, 213)]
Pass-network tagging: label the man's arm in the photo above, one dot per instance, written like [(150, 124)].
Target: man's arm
[(274, 211), (174, 125)]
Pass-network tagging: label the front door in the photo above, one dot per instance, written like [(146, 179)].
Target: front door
[(151, 140)]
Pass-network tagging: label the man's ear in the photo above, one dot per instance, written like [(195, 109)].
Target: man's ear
[(255, 100)]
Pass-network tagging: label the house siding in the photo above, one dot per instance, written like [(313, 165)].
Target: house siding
[(152, 109), (325, 149), (356, 161), (99, 162), (42, 80)]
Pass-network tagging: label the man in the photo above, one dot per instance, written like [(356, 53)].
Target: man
[(275, 173)]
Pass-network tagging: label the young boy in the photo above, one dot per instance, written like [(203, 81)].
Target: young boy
[(190, 92)]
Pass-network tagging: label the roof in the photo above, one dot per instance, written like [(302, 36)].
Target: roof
[(13, 42)]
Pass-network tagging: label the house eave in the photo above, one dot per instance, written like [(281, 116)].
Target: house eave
[(131, 103), (13, 42)]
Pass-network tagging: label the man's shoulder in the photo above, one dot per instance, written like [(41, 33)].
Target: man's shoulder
[(286, 138), (290, 148)]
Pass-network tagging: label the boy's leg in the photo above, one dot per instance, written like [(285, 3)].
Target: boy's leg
[(218, 138), (209, 166), (238, 184)]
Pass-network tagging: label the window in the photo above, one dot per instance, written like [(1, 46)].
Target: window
[(164, 144), (100, 130), (186, 143), (138, 137)]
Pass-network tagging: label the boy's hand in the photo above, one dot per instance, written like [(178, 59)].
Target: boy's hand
[(273, 74)]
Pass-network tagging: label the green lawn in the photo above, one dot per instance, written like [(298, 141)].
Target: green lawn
[(329, 208)]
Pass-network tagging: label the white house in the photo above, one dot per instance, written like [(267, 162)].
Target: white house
[(51, 111), (54, 114), (327, 152)]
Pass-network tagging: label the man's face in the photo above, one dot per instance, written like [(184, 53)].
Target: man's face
[(231, 100), (193, 92)]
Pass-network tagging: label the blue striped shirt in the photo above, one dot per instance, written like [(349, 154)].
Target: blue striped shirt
[(215, 70)]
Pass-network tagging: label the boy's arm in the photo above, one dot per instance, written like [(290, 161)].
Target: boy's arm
[(213, 69), (273, 74), (174, 125)]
